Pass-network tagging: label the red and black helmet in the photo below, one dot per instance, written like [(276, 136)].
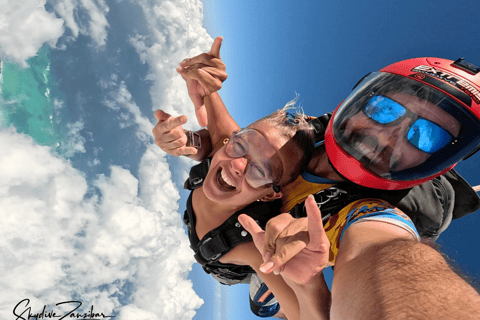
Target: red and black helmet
[(406, 124)]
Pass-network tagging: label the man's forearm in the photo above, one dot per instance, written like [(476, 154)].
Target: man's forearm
[(401, 279)]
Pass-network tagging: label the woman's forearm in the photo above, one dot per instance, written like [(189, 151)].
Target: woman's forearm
[(314, 298), (221, 125)]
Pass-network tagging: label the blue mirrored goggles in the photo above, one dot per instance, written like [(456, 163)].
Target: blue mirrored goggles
[(425, 135)]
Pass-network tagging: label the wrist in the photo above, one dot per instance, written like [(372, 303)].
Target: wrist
[(314, 297), (318, 281)]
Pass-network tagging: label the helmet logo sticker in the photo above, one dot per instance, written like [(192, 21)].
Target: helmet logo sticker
[(420, 76), (450, 78)]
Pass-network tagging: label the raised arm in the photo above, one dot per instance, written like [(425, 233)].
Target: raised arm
[(221, 125), (203, 75)]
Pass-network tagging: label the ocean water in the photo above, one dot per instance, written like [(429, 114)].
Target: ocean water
[(26, 101)]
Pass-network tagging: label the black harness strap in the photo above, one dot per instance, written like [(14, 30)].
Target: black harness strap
[(197, 175), (320, 125), (216, 243), (332, 200)]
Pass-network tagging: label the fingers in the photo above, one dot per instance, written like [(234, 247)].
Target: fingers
[(209, 78), (170, 136), (294, 245), (182, 151), (211, 58), (318, 237), (254, 229), (161, 115), (205, 59), (169, 123), (166, 122), (193, 69), (273, 229), (215, 50), (175, 146)]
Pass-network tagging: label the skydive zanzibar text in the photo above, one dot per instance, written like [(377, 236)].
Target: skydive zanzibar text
[(23, 312)]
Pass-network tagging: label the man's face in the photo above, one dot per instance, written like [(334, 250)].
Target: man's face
[(386, 147)]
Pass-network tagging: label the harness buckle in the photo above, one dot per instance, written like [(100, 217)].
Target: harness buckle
[(206, 251), (200, 259), (196, 181), (334, 193)]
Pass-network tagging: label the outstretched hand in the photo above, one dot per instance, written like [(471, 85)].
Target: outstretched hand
[(298, 249), (204, 75), (170, 136)]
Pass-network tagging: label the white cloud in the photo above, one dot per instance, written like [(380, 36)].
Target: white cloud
[(98, 24), (73, 142), (26, 25), (95, 25), (56, 244), (119, 99), (20, 34), (176, 32)]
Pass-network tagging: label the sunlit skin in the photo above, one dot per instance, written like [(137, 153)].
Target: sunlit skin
[(360, 248), (234, 170), (385, 145)]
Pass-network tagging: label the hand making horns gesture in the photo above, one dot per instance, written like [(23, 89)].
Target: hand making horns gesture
[(204, 75), (298, 249)]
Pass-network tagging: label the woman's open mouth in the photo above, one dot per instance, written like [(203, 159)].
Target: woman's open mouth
[(224, 181)]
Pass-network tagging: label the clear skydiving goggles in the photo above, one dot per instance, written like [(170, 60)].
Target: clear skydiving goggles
[(373, 97), (265, 167)]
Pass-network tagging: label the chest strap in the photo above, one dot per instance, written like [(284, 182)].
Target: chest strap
[(216, 243), (332, 200)]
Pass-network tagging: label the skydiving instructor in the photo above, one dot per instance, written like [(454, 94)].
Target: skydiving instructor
[(365, 244)]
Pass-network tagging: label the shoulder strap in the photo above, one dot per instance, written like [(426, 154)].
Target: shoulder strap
[(431, 205), (197, 175), (216, 243), (225, 273), (332, 200), (466, 199), (320, 125)]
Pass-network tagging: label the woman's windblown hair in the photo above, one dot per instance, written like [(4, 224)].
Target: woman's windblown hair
[(291, 124)]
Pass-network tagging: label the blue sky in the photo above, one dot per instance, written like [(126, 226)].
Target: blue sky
[(92, 205)]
